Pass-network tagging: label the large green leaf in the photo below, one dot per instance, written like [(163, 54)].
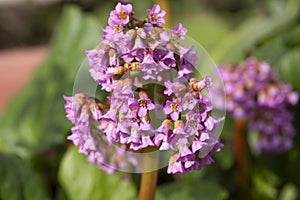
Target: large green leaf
[(289, 192), (242, 39), (36, 119), (207, 28), (289, 67), (84, 181), (18, 181), (283, 52), (264, 184), (191, 191)]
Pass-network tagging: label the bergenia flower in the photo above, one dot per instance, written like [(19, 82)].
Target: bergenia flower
[(255, 93), (121, 15), (188, 101), (179, 32), (155, 15), (143, 105), (173, 108), (152, 99), (173, 88)]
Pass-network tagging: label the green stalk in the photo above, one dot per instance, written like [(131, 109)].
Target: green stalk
[(242, 160)]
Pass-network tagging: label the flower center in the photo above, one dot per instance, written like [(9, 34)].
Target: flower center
[(192, 124), (122, 15), (118, 28), (154, 17), (174, 107), (189, 101), (143, 103)]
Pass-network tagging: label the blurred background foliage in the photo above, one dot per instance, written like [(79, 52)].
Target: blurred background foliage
[(36, 160)]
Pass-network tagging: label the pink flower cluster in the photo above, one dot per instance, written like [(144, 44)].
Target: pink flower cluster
[(153, 100), (255, 93)]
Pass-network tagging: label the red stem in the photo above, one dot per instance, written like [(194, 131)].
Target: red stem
[(242, 161), (149, 177), (148, 185)]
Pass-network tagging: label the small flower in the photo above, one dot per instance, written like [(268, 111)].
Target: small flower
[(155, 15), (173, 108), (71, 108), (193, 124), (120, 15), (136, 54), (111, 32), (95, 110), (174, 166), (149, 67), (164, 58), (206, 82), (173, 88), (197, 145), (179, 32), (183, 147), (162, 132), (142, 105), (84, 116), (99, 60), (184, 70), (188, 102)]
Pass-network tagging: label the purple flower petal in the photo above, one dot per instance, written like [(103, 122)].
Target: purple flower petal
[(142, 112)]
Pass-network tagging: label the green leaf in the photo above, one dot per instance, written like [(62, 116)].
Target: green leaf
[(35, 119), (281, 49), (243, 39), (289, 68), (225, 158), (264, 183), (174, 195), (18, 180), (191, 191), (289, 192), (206, 28), (292, 37), (270, 50), (84, 181)]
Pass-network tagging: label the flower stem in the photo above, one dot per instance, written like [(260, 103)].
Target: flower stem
[(149, 177), (148, 185), (242, 160)]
